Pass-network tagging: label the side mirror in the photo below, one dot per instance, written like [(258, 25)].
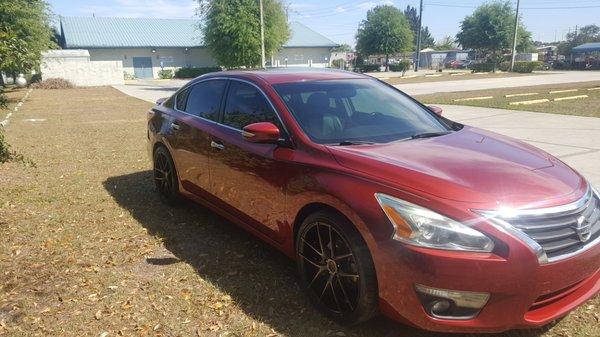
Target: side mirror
[(435, 109), (263, 132), (161, 100)]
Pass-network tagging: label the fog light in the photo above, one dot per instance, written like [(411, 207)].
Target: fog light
[(439, 307), (451, 304)]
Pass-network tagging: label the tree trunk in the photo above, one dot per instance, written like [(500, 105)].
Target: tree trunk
[(387, 62), (1, 80)]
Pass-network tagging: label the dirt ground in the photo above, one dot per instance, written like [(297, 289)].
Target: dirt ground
[(87, 248)]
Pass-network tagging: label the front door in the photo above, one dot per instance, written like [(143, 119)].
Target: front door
[(142, 67), (247, 177)]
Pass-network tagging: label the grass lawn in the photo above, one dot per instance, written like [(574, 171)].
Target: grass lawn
[(589, 106), (87, 247), (448, 77), (14, 95)]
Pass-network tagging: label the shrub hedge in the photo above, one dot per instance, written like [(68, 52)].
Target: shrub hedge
[(165, 74), (404, 65), (189, 72), (367, 68)]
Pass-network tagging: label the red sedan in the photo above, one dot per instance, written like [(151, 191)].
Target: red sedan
[(385, 205)]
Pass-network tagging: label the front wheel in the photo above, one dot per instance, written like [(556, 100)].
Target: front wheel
[(336, 268), (165, 176)]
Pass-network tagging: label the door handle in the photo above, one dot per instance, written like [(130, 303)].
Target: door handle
[(218, 146), (175, 125)]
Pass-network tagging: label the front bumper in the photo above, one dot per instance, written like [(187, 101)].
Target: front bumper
[(523, 293)]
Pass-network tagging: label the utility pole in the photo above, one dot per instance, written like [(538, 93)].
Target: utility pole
[(514, 48), (262, 36), (419, 37)]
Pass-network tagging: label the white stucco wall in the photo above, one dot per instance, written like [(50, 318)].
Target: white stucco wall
[(76, 66), (172, 58), (303, 57)]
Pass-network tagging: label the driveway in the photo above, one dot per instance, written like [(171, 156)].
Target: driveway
[(151, 90), (506, 82)]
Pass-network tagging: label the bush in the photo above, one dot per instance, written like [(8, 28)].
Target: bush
[(485, 67), (5, 153), (403, 66), (188, 72), (53, 83), (3, 98), (165, 74), (367, 68), (128, 75), (527, 67), (35, 78)]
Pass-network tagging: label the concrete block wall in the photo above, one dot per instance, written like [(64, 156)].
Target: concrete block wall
[(76, 66)]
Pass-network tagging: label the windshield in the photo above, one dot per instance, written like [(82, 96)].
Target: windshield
[(339, 111)]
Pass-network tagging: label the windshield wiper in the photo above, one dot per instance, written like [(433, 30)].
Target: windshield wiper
[(355, 142), (429, 134)]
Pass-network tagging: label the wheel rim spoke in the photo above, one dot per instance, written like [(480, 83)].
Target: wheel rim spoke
[(311, 262), (312, 247), (345, 294), (337, 303), (321, 270), (341, 257), (325, 287), (320, 240), (331, 243)]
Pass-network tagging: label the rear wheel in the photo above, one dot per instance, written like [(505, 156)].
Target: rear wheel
[(336, 268), (165, 176)]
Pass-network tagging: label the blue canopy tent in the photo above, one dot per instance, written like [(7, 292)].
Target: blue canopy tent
[(587, 56)]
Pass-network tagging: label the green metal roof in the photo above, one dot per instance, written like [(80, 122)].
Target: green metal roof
[(101, 32)]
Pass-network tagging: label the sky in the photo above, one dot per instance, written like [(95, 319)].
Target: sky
[(338, 19)]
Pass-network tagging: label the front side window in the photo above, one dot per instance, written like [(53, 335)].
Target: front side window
[(335, 111), (204, 99), (246, 105)]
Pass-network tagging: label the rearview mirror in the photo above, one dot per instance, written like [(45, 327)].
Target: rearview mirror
[(435, 109), (263, 132)]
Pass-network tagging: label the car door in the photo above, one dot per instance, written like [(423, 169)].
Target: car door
[(249, 178), (197, 110)]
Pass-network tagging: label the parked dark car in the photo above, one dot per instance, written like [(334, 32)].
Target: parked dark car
[(385, 205)]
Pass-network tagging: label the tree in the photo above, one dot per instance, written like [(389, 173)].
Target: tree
[(343, 48), (586, 34), (385, 31), (25, 23), (232, 30), (446, 43), (427, 40), (490, 30)]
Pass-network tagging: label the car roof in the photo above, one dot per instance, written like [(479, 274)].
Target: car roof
[(287, 75)]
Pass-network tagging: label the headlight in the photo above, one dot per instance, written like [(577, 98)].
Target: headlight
[(422, 227)]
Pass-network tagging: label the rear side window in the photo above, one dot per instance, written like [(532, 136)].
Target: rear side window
[(246, 105), (181, 99), (204, 99)]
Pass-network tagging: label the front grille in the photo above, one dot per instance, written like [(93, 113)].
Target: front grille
[(565, 230)]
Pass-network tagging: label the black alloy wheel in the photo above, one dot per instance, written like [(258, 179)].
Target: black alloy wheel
[(336, 268), (165, 176)]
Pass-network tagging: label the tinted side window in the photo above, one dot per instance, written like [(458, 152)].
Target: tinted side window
[(181, 99), (246, 105), (205, 98)]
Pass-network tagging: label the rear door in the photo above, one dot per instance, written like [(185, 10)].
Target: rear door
[(196, 112)]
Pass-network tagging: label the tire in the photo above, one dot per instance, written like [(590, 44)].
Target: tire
[(341, 282), (165, 177)]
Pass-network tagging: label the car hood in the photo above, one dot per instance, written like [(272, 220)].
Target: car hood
[(470, 165)]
